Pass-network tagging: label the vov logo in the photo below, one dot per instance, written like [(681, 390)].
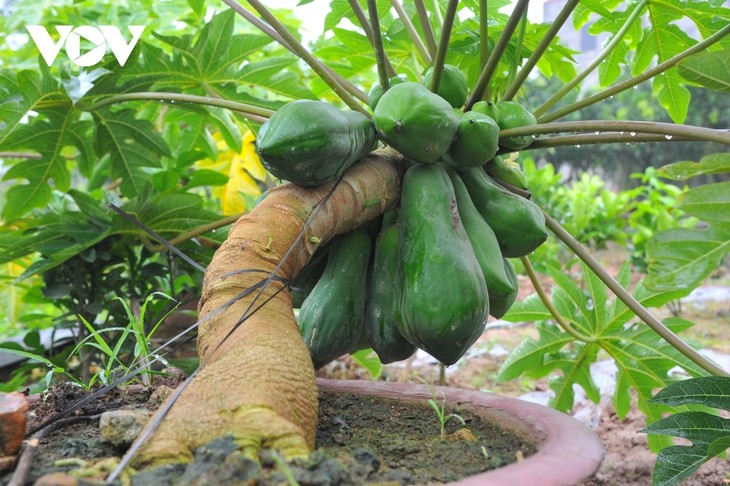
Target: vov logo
[(101, 36)]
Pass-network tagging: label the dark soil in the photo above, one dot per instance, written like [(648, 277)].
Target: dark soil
[(361, 440)]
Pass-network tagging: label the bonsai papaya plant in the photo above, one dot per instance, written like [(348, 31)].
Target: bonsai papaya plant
[(441, 132)]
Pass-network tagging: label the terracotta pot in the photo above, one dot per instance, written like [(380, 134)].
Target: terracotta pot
[(568, 452), (13, 411)]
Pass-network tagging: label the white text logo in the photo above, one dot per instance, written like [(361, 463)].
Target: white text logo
[(99, 36)]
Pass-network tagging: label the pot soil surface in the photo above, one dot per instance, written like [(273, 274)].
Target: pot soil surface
[(361, 440)]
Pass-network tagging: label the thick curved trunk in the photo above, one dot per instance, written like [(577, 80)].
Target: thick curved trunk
[(258, 383)]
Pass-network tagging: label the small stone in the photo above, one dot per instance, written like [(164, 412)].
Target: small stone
[(462, 435), (120, 427), (13, 412), (159, 395)]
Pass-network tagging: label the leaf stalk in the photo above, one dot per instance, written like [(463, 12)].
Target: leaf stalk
[(480, 90), (549, 304), (630, 83), (593, 65), (655, 324)]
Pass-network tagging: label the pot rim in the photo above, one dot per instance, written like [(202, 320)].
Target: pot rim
[(568, 452)]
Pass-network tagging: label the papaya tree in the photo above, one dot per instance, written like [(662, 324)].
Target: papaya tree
[(146, 124)]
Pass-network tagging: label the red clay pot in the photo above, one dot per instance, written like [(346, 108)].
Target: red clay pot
[(13, 411), (568, 452)]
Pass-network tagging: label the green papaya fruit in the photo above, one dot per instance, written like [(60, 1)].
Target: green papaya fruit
[(332, 316), (376, 92), (488, 108), (506, 171), (475, 143), (518, 223), (380, 327), (483, 241), (441, 302), (311, 142), (500, 304), (416, 122), (514, 115), (453, 86)]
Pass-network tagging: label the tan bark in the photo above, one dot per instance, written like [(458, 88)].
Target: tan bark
[(259, 384)]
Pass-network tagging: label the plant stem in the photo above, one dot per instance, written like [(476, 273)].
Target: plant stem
[(540, 50), (549, 304), (633, 304), (518, 49), (483, 34), (266, 29), (426, 26), (373, 38), (403, 15), (591, 139), (20, 155), (668, 129), (306, 56), (197, 231), (438, 64), (254, 112), (437, 11), (591, 67), (480, 89), (377, 42), (629, 83)]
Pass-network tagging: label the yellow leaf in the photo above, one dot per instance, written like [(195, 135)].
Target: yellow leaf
[(243, 170)]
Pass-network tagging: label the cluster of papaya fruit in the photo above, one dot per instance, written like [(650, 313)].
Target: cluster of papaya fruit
[(428, 274)]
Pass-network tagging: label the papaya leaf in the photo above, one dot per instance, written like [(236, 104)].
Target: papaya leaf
[(710, 164), (132, 145), (642, 357), (708, 69), (167, 214), (711, 391), (664, 39), (24, 92), (367, 359), (529, 357), (709, 434), (218, 61), (682, 258), (55, 236), (710, 203), (38, 116)]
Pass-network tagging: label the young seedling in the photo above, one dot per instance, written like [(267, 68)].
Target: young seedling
[(441, 411)]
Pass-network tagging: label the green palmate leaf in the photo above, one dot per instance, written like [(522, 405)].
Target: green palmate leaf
[(527, 310), (664, 39), (710, 203), (709, 164), (643, 358), (709, 69), (711, 391), (56, 133), (24, 92), (132, 145), (674, 464), (683, 258), (217, 61), (165, 214), (530, 356), (611, 68), (586, 8), (575, 367), (56, 237), (367, 359), (709, 434)]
